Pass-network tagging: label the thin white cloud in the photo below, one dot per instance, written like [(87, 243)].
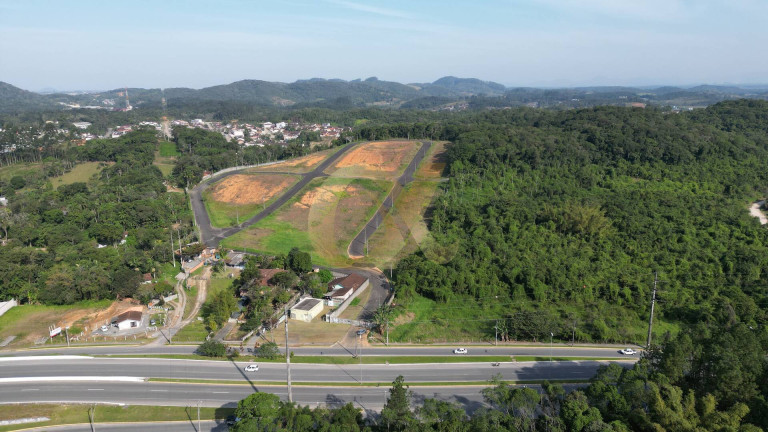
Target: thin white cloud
[(371, 9), (653, 10)]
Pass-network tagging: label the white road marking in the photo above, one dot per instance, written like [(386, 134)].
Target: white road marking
[(95, 389)]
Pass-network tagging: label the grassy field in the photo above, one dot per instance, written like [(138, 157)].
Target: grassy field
[(168, 149), (316, 332), (26, 321), (404, 229), (73, 414), (196, 331), (82, 172), (20, 169), (321, 219), (245, 197)]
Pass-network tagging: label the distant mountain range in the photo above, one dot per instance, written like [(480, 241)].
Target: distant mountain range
[(374, 92)]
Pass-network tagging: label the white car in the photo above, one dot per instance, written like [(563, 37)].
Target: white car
[(628, 351), (460, 351), (252, 368), (104, 328)]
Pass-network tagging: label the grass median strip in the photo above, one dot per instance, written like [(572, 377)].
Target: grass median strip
[(74, 414), (365, 384), (373, 359)]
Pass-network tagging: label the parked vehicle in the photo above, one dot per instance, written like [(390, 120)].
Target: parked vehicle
[(460, 351), (104, 328)]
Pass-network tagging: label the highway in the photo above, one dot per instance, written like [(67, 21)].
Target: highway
[(558, 350), (350, 374)]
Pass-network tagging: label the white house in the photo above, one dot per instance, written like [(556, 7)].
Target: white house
[(307, 309), (127, 320)]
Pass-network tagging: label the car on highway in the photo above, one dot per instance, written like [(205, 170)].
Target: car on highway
[(628, 351), (460, 351), (104, 328), (252, 368)]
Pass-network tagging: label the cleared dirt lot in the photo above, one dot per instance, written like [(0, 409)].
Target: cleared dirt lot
[(243, 189), (299, 165), (238, 197), (381, 160)]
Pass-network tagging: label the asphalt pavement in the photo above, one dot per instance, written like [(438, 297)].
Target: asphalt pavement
[(53, 368), (557, 350)]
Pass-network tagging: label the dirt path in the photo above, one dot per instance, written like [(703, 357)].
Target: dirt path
[(755, 211)]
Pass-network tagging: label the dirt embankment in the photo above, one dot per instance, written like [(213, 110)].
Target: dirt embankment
[(385, 156), (243, 189)]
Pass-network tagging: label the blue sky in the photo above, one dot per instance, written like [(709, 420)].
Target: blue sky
[(92, 45)]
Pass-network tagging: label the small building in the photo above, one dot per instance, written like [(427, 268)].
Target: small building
[(236, 260), (128, 320), (81, 125), (307, 309), (3, 201), (353, 281)]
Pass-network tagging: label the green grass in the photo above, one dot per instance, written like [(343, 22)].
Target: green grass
[(224, 214), (364, 384), (165, 169), (195, 331), (168, 149), (20, 169), (82, 172), (327, 236), (73, 414), (355, 301), (191, 299)]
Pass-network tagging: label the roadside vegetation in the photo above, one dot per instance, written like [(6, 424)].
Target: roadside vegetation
[(75, 414)]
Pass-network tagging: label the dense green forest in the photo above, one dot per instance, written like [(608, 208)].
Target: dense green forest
[(51, 236), (705, 379), (555, 222)]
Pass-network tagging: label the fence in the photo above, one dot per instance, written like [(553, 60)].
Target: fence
[(342, 307), (5, 306)]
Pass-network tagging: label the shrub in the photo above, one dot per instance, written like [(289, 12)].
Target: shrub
[(212, 348)]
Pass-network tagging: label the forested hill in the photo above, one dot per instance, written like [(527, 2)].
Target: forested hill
[(556, 221)]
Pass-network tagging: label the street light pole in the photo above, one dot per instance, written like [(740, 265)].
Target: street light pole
[(198, 416), (551, 335)]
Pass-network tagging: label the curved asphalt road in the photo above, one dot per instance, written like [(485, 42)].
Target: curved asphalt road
[(356, 248), (211, 236)]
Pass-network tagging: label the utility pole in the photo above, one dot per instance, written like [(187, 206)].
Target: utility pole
[(66, 331), (387, 331), (288, 356), (496, 336), (360, 336), (551, 335), (653, 303), (92, 417), (173, 251)]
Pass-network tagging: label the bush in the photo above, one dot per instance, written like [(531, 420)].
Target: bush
[(268, 350), (212, 348)]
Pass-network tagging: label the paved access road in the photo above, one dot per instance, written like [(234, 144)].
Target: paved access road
[(357, 248), (351, 374), (212, 236)]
